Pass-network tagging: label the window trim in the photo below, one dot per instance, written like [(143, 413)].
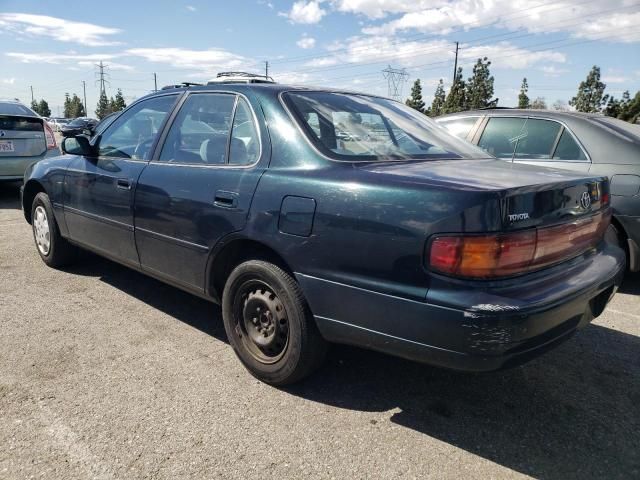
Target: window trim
[(563, 126), (154, 145), (170, 121)]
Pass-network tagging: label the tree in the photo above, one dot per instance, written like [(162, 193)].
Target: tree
[(118, 103), (437, 106), (523, 98), (631, 110), (67, 106), (34, 106), (103, 108), (539, 104), (415, 99), (479, 85), (560, 106), (590, 93), (43, 108), (456, 100)]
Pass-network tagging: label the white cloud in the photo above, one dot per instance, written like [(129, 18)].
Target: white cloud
[(616, 20), (552, 71), (306, 42), (59, 58), (615, 79), (57, 28), (305, 11), (191, 8), (9, 81), (208, 61)]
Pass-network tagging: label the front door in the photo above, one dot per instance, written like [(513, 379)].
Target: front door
[(99, 191), (200, 186)]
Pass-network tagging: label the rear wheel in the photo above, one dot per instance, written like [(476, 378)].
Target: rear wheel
[(269, 324), (54, 249)]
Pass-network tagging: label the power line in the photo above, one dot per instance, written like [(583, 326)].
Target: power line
[(101, 77), (396, 77)]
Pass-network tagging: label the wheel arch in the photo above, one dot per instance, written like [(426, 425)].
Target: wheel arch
[(229, 254), (31, 189)]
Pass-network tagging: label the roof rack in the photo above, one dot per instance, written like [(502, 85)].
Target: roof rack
[(240, 77), (181, 85)]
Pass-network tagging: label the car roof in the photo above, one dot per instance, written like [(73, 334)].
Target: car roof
[(13, 105), (272, 89), (519, 112)]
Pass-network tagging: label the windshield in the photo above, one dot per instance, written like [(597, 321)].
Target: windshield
[(357, 127)]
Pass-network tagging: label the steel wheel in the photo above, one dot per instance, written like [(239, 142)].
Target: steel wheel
[(261, 322), (41, 230)]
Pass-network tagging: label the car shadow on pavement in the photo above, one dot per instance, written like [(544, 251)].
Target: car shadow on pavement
[(10, 196), (573, 413)]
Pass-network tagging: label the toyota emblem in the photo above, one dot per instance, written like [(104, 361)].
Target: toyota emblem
[(585, 200), (1, 133)]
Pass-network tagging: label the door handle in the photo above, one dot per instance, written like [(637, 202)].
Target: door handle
[(123, 184), (226, 199)]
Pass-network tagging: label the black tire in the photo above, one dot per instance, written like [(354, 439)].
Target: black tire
[(269, 324), (59, 252)]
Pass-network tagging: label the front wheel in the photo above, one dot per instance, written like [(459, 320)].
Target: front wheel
[(53, 248), (269, 324)]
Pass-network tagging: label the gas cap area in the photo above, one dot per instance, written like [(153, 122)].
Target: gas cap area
[(624, 185), (296, 215)]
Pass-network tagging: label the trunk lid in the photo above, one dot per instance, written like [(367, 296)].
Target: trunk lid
[(21, 136), (528, 196)]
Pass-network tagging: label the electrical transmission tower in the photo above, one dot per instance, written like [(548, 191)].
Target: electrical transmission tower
[(396, 77), (101, 77)]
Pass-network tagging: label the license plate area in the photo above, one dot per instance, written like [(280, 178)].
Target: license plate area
[(6, 146)]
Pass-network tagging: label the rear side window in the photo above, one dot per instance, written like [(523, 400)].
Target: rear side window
[(568, 148), (244, 148), (200, 132), (537, 140), (16, 109), (500, 136), (460, 127)]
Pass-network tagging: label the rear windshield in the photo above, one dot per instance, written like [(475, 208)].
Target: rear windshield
[(357, 127), (7, 108), (22, 124)]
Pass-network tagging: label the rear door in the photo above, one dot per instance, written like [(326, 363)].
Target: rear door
[(99, 191), (200, 186)]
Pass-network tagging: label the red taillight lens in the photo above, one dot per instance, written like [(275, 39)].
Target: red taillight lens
[(505, 254), (51, 138)]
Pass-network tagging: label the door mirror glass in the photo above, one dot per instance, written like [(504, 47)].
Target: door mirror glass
[(78, 145)]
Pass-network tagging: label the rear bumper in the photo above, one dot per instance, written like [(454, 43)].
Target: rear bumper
[(12, 168), (471, 326)]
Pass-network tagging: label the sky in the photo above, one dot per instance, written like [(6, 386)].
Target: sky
[(54, 46)]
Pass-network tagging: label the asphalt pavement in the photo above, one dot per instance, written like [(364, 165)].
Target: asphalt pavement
[(105, 373)]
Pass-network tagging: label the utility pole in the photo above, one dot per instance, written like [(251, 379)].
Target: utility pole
[(395, 81), (266, 68), (84, 91), (455, 66), (101, 77), (155, 82), (31, 86)]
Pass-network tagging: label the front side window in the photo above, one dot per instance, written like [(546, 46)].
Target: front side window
[(132, 134), (460, 127), (360, 128)]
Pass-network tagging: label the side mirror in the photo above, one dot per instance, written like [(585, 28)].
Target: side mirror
[(78, 145)]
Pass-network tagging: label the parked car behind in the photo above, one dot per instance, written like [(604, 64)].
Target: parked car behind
[(79, 126), (57, 123), (587, 143), (404, 239), (25, 138)]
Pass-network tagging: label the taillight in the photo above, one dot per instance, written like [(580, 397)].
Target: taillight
[(505, 254), (51, 138)]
